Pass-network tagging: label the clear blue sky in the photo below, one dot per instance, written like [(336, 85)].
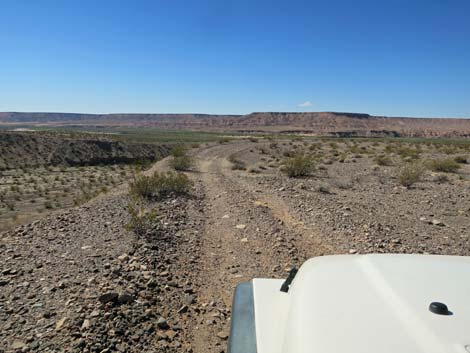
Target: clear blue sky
[(408, 58)]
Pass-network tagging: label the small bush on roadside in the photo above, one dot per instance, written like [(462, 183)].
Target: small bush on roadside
[(408, 153), (237, 164), (383, 160), (298, 166), (410, 174), (343, 184), (180, 161), (288, 153), (160, 185), (178, 151), (324, 189), (444, 165), (142, 221), (441, 179), (142, 186)]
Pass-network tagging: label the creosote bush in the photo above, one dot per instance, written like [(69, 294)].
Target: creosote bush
[(410, 174), (298, 166), (383, 160), (180, 161), (142, 221), (160, 185), (444, 165)]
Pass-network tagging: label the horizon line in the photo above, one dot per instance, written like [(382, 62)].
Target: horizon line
[(240, 115)]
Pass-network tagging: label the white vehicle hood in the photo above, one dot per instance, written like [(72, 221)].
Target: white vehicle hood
[(367, 303)]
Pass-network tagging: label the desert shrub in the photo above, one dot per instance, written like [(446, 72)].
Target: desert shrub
[(298, 166), (408, 153), (383, 160), (48, 205), (160, 185), (182, 163), (324, 189), (441, 178), (448, 149), (410, 174), (142, 221), (178, 151), (461, 159), (314, 146), (444, 165), (288, 153), (253, 139), (237, 164), (224, 141), (343, 184), (142, 186), (254, 171)]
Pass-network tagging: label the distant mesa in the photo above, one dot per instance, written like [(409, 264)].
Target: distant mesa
[(314, 123)]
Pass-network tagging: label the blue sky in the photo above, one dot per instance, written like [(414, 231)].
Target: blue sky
[(406, 58)]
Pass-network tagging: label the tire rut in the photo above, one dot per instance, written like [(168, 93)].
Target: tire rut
[(246, 235)]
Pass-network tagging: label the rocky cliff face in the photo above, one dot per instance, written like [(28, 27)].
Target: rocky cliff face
[(23, 149)]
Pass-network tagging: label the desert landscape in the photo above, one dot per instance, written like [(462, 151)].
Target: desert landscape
[(103, 254)]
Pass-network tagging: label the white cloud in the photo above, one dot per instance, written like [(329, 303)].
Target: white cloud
[(305, 104)]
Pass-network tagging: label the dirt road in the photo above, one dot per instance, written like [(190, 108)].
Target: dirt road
[(248, 233)]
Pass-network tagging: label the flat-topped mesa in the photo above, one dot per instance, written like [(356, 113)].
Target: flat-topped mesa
[(316, 123)]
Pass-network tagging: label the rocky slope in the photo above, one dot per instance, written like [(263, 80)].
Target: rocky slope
[(318, 123), (23, 149)]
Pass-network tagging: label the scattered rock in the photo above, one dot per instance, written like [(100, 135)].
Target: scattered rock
[(86, 324), (60, 324), (189, 299), (18, 344), (162, 324), (437, 222), (110, 297), (222, 335), (125, 298)]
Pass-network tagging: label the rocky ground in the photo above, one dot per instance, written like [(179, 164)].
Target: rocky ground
[(79, 281)]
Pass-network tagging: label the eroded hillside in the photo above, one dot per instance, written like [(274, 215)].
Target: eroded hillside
[(34, 149)]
